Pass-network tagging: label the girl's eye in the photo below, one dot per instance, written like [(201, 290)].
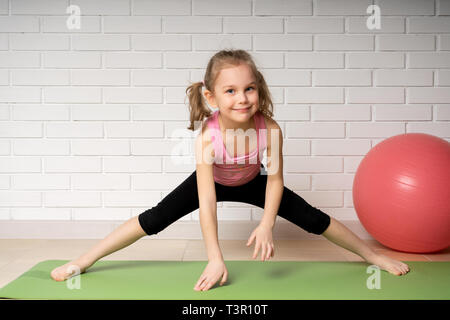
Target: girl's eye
[(233, 89)]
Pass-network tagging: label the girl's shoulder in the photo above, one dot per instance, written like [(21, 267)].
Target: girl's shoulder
[(271, 123), (204, 139)]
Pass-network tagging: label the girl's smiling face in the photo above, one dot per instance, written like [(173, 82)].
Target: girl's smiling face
[(235, 94)]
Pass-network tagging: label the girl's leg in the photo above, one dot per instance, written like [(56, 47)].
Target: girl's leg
[(123, 236), (340, 235), (296, 210), (181, 201)]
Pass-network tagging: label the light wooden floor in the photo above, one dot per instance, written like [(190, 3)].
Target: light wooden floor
[(19, 255)]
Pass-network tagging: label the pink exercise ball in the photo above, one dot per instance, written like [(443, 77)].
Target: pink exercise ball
[(401, 193)]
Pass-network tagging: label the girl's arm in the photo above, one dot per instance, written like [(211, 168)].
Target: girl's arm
[(216, 268), (207, 195), (275, 182)]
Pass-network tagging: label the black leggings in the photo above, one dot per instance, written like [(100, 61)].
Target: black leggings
[(184, 199)]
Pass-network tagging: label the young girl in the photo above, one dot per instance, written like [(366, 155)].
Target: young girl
[(239, 93)]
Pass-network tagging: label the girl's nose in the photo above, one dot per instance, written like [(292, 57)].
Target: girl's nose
[(243, 97)]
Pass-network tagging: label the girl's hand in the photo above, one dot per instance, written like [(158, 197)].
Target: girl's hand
[(213, 271), (263, 236)]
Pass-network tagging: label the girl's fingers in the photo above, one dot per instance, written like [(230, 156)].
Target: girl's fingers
[(255, 252), (269, 251), (199, 282), (224, 278)]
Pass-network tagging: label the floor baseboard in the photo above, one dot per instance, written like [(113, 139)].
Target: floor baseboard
[(227, 230)]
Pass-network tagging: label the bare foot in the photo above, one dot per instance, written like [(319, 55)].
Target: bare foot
[(68, 270), (391, 265)]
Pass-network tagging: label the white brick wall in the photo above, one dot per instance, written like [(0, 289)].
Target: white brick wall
[(89, 118)]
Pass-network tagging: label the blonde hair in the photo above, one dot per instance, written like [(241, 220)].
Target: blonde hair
[(224, 58)]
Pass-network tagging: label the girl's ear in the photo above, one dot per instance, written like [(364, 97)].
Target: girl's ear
[(210, 98)]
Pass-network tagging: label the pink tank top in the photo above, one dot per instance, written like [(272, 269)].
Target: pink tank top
[(235, 171)]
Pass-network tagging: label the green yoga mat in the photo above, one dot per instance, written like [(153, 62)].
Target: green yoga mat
[(247, 280)]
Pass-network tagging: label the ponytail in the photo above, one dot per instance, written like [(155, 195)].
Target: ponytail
[(197, 108)]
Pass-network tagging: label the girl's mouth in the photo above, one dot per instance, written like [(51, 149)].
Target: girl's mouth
[(243, 110)]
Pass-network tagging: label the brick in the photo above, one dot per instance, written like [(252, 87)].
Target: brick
[(315, 130), (340, 112), (315, 25), (427, 95), (343, 42), (441, 130), (72, 199), (19, 24), (74, 130), (20, 129), (342, 7), (312, 164), (59, 24), (428, 24), (100, 112), (406, 7), (131, 198), (219, 42), (100, 147), (403, 78), (141, 129), (388, 25), (342, 78), (132, 95), (287, 77), (375, 60), (40, 77), (315, 95), (72, 164), (103, 7), (162, 7), (442, 112), (94, 181), (340, 147), (128, 164), (286, 7), (402, 112), (405, 42), (133, 24), (101, 77), (101, 42), (375, 95), (221, 8), (71, 60), (159, 77), (20, 164), (20, 94), (71, 95), (20, 199), (329, 182), (41, 7), (374, 130), (192, 24), (282, 42), (40, 182), (429, 60), (40, 147), (31, 41), (316, 60), (132, 60), (253, 25)]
